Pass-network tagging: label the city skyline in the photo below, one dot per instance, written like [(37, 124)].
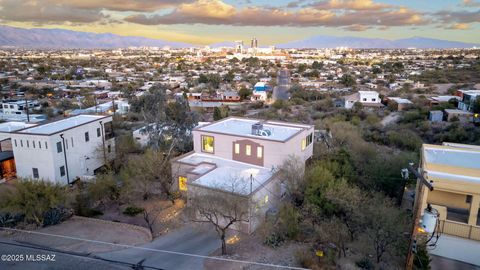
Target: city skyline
[(204, 22)]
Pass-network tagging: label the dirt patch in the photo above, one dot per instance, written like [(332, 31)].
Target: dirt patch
[(251, 248), (78, 228)]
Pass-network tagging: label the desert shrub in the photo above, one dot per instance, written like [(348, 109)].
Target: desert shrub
[(132, 210), (56, 215), (82, 206), (365, 263), (32, 198), (9, 220), (274, 240), (288, 222)]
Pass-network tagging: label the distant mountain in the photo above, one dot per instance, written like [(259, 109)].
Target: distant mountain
[(229, 44), (358, 43), (60, 38)]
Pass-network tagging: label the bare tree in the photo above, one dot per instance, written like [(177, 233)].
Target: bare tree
[(292, 173), (222, 209)]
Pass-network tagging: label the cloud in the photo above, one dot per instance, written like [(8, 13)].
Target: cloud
[(45, 12), (361, 13), (121, 5), (457, 16), (350, 5), (459, 26), (470, 3)]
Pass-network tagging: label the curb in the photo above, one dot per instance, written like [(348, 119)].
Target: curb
[(124, 225)]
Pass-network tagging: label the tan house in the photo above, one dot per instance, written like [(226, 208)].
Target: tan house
[(454, 171), (241, 156)]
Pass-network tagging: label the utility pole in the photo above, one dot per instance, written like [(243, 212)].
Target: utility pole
[(26, 108), (421, 182)]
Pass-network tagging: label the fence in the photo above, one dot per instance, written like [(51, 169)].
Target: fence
[(460, 229)]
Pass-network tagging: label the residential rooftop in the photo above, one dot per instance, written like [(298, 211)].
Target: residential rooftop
[(58, 126), (243, 127), (227, 175), (14, 126), (451, 161)]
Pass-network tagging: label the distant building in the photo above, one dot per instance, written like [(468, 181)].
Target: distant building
[(281, 91), (366, 98), (435, 116), (19, 106), (400, 104), (467, 99)]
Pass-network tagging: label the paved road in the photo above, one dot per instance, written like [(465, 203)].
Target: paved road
[(187, 239), (62, 260)]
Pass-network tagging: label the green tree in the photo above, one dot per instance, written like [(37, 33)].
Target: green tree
[(244, 93), (348, 80)]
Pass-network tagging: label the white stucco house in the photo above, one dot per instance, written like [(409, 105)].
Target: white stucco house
[(64, 150), (241, 156)]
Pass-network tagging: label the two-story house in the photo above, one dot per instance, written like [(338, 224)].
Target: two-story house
[(242, 156), (64, 150)]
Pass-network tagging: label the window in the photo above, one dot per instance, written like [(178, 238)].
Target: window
[(109, 149), (304, 144), (98, 132), (66, 144), (364, 99), (46, 145), (108, 129), (468, 199), (40, 144), (35, 173), (62, 171), (59, 147), (248, 150), (15, 142), (309, 139), (259, 152), (71, 139), (28, 144), (208, 144), (33, 143), (87, 136), (21, 143), (182, 183), (237, 148), (374, 99)]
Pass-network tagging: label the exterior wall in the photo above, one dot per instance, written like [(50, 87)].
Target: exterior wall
[(448, 199), (82, 157), (370, 98), (275, 153), (242, 155), (263, 199)]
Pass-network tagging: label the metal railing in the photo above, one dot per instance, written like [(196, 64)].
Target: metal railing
[(460, 229)]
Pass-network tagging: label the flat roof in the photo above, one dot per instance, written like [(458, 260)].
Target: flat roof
[(452, 161), (400, 100), (57, 126), (227, 175), (14, 126), (243, 127)]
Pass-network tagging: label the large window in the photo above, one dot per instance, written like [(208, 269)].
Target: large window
[(208, 144), (307, 141), (304, 144), (182, 183), (59, 147), (259, 152), (248, 150), (237, 148), (98, 132)]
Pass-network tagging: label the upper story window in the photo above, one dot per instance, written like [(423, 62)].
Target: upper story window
[(87, 137), (208, 144), (259, 152), (98, 132), (59, 147), (304, 144), (237, 148), (248, 150), (307, 141), (364, 99), (108, 127), (35, 173)]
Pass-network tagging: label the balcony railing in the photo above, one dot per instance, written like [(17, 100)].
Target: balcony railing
[(460, 229)]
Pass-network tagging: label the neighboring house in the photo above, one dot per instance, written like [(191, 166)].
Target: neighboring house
[(18, 106), (441, 99), (241, 156), (467, 99), (64, 150), (400, 104), (435, 116), (366, 98), (7, 162), (454, 171), (462, 116)]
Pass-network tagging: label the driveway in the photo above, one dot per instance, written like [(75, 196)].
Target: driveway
[(187, 239)]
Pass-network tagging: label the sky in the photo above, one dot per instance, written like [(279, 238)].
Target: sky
[(272, 22)]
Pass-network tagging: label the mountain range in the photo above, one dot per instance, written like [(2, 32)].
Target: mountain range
[(61, 38)]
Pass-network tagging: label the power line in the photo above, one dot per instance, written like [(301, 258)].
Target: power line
[(157, 250)]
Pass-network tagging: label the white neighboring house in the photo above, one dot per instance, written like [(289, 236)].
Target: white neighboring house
[(366, 98), (18, 106), (64, 150)]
